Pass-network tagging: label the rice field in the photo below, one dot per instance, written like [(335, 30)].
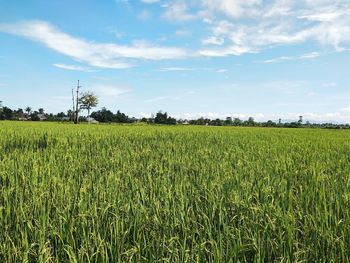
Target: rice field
[(173, 194)]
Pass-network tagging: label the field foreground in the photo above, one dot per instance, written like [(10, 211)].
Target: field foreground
[(173, 194)]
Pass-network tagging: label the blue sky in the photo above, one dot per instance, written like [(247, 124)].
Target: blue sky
[(210, 58)]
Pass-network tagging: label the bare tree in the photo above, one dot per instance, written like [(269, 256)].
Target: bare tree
[(76, 121), (71, 113)]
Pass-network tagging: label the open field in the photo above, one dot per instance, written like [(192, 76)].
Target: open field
[(173, 194)]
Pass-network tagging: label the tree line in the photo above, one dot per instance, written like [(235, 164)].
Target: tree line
[(107, 116)]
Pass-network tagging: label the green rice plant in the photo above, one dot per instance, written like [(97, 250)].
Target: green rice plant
[(111, 193)]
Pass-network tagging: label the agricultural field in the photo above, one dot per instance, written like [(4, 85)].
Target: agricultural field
[(110, 193)]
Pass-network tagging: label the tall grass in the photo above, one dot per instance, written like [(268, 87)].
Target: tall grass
[(173, 194)]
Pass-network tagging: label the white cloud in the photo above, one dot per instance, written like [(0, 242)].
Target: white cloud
[(176, 69), (235, 27), (109, 91), (182, 33), (145, 115), (245, 26), (234, 8), (179, 69), (322, 17), (329, 85), (311, 94), (166, 69), (160, 98), (281, 8), (213, 40), (122, 1), (346, 109), (150, 1), (73, 67), (178, 11), (223, 70), (224, 52), (311, 55), (144, 15), (94, 54)]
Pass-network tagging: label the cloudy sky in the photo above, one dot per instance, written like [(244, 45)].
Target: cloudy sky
[(211, 58)]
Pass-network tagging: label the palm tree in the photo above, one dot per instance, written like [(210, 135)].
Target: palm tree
[(28, 110)]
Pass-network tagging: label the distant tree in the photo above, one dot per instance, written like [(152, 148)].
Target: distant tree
[(6, 114), (28, 110), (171, 121), (60, 115), (144, 119), (237, 122), (217, 122), (0, 106), (228, 121), (147, 120), (300, 121), (250, 121), (103, 115), (34, 116), (133, 120), (121, 117), (270, 123), (41, 111), (161, 118), (70, 114), (197, 122), (51, 117), (87, 101), (19, 113), (200, 121)]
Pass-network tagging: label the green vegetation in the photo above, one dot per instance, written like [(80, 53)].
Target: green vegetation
[(112, 193)]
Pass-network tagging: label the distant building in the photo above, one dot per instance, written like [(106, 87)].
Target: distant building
[(42, 117), (92, 120)]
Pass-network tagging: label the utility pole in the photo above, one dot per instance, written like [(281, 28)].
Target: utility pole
[(77, 104), (73, 111)]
